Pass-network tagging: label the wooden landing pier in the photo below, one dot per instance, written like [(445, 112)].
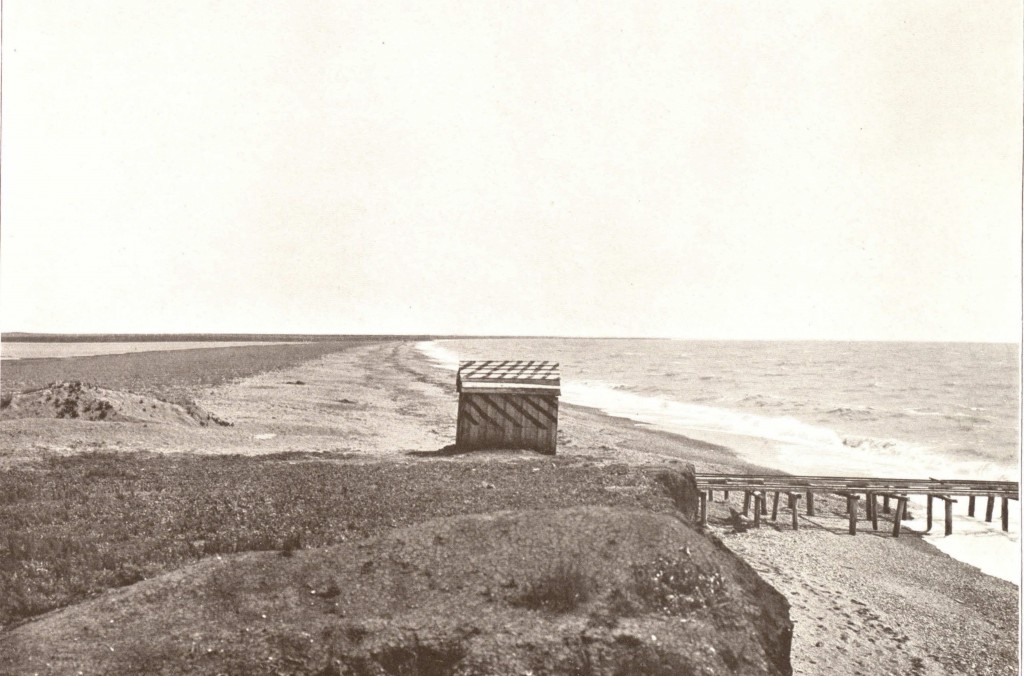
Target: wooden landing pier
[(757, 487)]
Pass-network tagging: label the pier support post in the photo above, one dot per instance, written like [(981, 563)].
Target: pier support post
[(873, 508), (885, 505), (928, 529), (988, 508), (704, 497), (725, 496), (810, 503), (758, 501), (851, 507), (794, 503), (1006, 514), (775, 507), (746, 503), (901, 508), (949, 515), (970, 506)]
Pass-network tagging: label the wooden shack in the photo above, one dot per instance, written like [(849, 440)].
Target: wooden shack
[(508, 404)]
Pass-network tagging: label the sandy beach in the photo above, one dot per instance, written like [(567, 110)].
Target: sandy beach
[(868, 604)]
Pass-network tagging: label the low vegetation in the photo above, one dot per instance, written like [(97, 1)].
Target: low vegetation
[(513, 592), (673, 585), (561, 589), (682, 488), (71, 527)]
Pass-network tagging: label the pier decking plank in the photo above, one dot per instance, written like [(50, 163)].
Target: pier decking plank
[(852, 488)]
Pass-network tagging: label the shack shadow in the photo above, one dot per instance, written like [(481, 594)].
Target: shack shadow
[(453, 450)]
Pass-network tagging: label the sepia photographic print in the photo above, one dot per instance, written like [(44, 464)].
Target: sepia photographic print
[(451, 338)]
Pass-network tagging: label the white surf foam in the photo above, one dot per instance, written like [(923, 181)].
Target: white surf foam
[(440, 356), (799, 447), (982, 545)]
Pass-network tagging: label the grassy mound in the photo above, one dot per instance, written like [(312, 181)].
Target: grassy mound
[(591, 590), (74, 526)]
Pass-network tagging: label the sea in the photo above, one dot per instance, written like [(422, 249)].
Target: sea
[(882, 409)]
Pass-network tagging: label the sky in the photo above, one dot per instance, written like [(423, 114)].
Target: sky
[(727, 170)]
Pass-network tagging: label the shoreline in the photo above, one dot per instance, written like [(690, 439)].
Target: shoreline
[(902, 606), (983, 546)]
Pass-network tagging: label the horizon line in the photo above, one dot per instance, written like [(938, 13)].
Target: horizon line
[(30, 336)]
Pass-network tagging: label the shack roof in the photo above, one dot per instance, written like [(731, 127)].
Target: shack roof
[(511, 377)]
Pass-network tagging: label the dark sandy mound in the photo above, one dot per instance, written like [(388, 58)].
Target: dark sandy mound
[(588, 590), (82, 401)]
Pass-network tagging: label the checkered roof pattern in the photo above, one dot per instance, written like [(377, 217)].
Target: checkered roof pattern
[(510, 373)]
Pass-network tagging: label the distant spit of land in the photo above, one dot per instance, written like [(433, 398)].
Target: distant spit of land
[(17, 337)]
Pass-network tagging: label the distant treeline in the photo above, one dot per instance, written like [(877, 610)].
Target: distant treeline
[(195, 337)]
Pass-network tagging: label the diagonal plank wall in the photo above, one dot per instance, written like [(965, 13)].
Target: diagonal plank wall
[(507, 421)]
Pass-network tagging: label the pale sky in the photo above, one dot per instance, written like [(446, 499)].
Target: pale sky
[(761, 170)]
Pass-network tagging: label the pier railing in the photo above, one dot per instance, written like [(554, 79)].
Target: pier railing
[(756, 488)]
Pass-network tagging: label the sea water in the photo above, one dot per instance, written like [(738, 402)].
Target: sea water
[(908, 410)]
